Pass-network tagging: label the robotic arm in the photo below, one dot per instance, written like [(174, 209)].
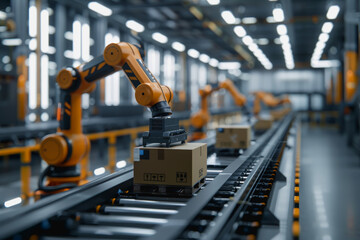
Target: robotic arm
[(202, 117), (66, 148), (268, 99)]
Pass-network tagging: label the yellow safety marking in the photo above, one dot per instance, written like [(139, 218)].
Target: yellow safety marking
[(128, 71), (67, 112), (93, 69), (86, 73), (113, 201), (296, 199), (296, 228), (101, 65), (133, 78), (67, 105), (296, 211)]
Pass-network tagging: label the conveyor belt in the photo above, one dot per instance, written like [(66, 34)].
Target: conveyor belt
[(232, 203)]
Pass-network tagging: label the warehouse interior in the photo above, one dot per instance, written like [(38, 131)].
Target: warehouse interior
[(179, 119)]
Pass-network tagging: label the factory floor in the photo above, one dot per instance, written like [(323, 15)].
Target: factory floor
[(329, 186)]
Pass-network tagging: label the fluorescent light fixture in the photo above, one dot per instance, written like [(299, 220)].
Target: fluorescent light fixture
[(277, 41), (247, 40), (253, 47), (324, 37), (44, 91), (44, 117), (99, 171), (213, 2), (121, 164), (51, 50), (325, 64), (204, 58), (99, 8), (69, 54), (133, 25), (13, 202), (327, 27), (32, 117), (278, 14), (32, 21), (6, 59), (12, 42), (270, 19), (159, 37), (44, 30), (213, 62), (76, 39), (281, 29), (32, 44), (3, 15), (68, 35), (284, 39), (193, 53), (320, 45), (228, 17), (32, 81), (249, 20), (52, 30), (240, 31), (333, 12), (178, 46), (263, 41), (85, 39), (229, 65)]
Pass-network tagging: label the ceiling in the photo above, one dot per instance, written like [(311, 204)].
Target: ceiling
[(176, 19)]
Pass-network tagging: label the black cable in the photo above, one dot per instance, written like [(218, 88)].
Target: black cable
[(52, 188)]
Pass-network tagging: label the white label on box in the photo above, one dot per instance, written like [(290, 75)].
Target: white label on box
[(136, 154)]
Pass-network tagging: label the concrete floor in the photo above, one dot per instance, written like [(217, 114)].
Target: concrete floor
[(329, 186)]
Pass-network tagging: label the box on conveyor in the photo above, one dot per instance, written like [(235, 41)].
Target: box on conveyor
[(233, 137), (280, 113), (263, 123), (181, 165)]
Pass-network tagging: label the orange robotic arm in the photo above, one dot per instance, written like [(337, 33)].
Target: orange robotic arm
[(65, 149), (268, 99), (202, 117)]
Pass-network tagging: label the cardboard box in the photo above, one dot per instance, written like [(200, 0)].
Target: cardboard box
[(181, 165), (280, 113), (263, 123), (233, 137)]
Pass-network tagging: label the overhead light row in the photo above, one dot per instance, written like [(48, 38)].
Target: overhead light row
[(324, 36), (253, 47), (286, 46)]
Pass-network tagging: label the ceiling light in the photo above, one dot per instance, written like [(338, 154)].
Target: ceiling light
[(228, 17), (249, 20), (178, 46), (12, 42), (133, 25), (193, 53), (281, 29), (99, 8), (204, 58), (324, 37), (239, 31), (278, 14), (213, 2), (263, 41), (253, 47), (325, 64), (333, 12), (229, 65), (320, 45), (247, 40), (159, 37), (213, 62), (284, 39), (327, 27), (270, 19)]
